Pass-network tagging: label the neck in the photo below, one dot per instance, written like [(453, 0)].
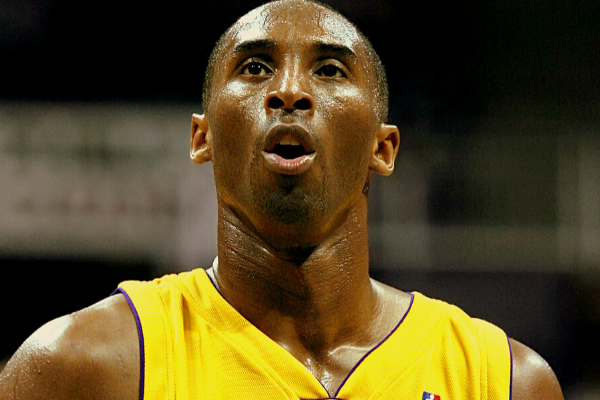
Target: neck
[(316, 299)]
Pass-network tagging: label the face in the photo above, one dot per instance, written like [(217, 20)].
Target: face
[(292, 120)]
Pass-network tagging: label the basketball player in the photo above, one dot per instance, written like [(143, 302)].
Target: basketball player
[(295, 107)]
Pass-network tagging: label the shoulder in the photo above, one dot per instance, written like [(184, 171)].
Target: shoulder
[(532, 376), (93, 353)]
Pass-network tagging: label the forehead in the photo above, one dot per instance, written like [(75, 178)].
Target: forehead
[(299, 22)]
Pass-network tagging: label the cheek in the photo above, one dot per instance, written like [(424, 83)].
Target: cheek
[(234, 121), (352, 122), (234, 117)]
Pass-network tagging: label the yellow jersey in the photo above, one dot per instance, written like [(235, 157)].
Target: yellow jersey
[(194, 345)]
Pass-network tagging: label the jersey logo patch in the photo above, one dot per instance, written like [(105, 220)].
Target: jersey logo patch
[(430, 396)]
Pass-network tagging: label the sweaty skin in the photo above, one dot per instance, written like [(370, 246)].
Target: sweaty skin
[(292, 239)]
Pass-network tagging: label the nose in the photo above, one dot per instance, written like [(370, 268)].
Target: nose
[(289, 94)]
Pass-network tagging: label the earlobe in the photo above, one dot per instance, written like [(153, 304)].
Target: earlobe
[(385, 149), (200, 149)]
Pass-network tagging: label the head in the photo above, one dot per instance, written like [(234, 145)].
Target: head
[(379, 80), (294, 120)]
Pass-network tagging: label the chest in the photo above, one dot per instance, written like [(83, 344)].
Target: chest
[(209, 365), (234, 373), (199, 351)]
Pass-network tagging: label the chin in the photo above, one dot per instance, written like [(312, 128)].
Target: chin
[(291, 218), (294, 209)]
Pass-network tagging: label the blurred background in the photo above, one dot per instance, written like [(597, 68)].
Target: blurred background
[(494, 205)]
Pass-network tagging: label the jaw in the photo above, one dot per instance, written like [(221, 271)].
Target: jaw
[(290, 222), (290, 212)]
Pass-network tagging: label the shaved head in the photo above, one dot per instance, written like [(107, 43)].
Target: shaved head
[(376, 69)]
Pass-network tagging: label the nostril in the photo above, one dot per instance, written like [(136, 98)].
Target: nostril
[(275, 102), (302, 104)]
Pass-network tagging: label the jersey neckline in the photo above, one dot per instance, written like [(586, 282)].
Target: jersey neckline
[(216, 293)]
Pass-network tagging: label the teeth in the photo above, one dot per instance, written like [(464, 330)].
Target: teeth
[(289, 141)]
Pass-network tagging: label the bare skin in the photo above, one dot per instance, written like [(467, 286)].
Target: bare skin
[(91, 354), (292, 243)]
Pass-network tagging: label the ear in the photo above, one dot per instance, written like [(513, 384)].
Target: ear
[(385, 149), (200, 150)]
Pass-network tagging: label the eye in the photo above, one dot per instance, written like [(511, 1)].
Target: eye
[(255, 69), (330, 71)]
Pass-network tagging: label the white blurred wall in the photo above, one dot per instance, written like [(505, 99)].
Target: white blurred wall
[(114, 182), (107, 181)]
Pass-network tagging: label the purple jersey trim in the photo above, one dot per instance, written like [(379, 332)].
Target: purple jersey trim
[(217, 289), (138, 322), (412, 300), (511, 367), (326, 398), (213, 282)]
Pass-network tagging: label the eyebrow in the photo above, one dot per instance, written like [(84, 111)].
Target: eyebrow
[(335, 50), (254, 46), (266, 45)]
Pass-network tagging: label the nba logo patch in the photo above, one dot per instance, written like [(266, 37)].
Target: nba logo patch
[(429, 396)]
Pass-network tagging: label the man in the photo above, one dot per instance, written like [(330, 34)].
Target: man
[(295, 108)]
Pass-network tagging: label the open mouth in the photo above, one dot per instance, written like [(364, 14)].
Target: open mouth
[(289, 149)]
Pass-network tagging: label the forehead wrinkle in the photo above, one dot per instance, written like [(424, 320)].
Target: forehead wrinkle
[(297, 16), (293, 12)]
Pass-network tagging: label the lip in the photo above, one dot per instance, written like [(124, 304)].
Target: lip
[(293, 166)]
